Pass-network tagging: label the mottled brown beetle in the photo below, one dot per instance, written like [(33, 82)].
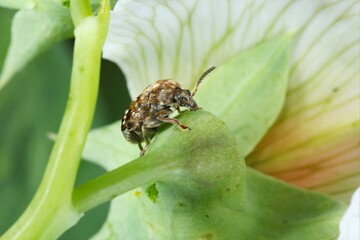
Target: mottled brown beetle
[(153, 107)]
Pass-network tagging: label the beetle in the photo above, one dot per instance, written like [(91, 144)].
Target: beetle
[(153, 107)]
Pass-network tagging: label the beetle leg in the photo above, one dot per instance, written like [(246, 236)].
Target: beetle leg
[(137, 139), (148, 128), (145, 135), (173, 121), (140, 146), (147, 141)]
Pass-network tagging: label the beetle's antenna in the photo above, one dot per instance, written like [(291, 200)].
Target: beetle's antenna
[(201, 78)]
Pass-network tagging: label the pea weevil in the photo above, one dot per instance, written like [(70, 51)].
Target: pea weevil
[(153, 107)]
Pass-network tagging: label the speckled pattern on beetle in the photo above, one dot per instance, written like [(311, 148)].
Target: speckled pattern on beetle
[(153, 107)]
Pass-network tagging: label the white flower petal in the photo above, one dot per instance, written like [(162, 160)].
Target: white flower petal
[(350, 223)]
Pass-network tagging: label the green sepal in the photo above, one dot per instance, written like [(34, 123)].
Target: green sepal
[(205, 190), (248, 91)]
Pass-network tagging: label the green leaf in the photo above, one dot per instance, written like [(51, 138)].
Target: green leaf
[(281, 211), (248, 91), (34, 30)]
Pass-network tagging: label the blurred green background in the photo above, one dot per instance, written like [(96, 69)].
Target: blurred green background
[(31, 106)]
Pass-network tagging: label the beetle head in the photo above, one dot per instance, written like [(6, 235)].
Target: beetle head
[(184, 98)]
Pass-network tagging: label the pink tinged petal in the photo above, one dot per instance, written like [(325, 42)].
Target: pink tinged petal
[(350, 223), (315, 142)]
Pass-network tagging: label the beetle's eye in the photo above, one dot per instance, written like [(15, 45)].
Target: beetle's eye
[(188, 91), (182, 100)]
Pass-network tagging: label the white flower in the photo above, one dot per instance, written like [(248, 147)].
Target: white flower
[(314, 143), (350, 223)]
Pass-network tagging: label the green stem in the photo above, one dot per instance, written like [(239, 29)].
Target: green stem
[(139, 172), (51, 211), (80, 9)]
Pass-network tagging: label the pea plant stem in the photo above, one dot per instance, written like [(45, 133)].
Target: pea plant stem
[(51, 211), (139, 172)]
